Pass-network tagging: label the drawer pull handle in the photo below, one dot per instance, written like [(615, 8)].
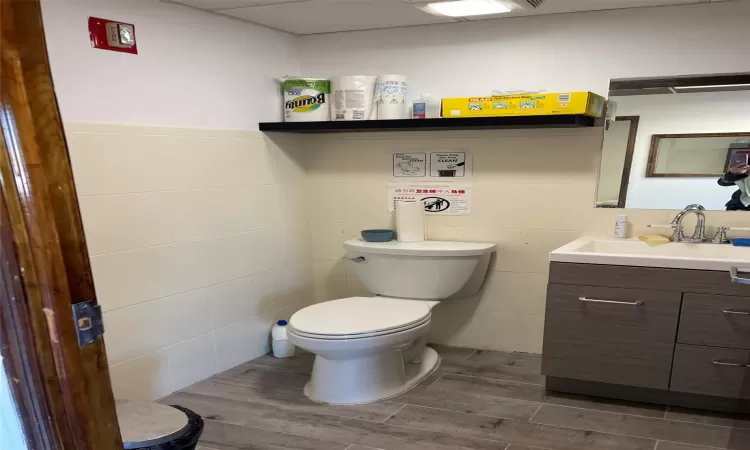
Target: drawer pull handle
[(732, 311), (594, 300), (727, 364), (734, 275)]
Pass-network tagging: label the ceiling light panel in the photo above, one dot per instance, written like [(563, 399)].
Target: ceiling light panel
[(466, 8), (330, 16)]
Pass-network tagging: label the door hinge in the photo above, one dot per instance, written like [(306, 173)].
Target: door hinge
[(88, 320)]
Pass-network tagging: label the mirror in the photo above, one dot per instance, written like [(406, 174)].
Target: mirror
[(676, 141)]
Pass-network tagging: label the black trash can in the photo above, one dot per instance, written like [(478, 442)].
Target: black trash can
[(152, 426)]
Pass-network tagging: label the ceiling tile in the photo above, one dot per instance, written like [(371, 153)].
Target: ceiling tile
[(213, 5), (569, 6), (321, 16)]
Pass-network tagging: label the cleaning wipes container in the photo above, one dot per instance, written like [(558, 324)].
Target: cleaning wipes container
[(280, 344)]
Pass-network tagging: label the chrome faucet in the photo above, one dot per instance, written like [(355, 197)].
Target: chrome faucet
[(699, 235)]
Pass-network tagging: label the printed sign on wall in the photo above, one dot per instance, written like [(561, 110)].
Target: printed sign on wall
[(450, 200), (432, 166), (409, 165)]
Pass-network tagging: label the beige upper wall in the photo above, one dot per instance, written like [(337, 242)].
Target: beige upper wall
[(562, 52), (193, 69)]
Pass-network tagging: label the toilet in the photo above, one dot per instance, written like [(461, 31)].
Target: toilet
[(372, 348)]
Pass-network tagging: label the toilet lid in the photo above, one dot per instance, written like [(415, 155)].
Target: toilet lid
[(359, 315)]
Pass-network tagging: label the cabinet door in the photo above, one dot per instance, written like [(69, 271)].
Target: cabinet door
[(610, 335), (711, 371), (715, 320)]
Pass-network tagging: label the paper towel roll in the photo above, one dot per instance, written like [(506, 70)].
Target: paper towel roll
[(353, 97), (410, 221), (306, 99), (390, 97)]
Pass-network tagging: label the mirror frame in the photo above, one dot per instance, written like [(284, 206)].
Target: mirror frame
[(654, 151)]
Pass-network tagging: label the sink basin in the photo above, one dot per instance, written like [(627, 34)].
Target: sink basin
[(633, 252)]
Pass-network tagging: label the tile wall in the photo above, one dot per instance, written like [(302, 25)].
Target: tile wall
[(198, 242), (201, 239), (533, 192)]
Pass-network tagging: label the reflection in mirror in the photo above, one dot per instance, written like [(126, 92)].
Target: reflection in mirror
[(617, 157), (673, 142), (696, 155)]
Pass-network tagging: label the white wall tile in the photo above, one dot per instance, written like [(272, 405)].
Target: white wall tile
[(144, 378), (329, 279), (514, 292), (244, 298), (460, 324), (366, 206), (328, 240), (191, 361), (121, 163), (240, 342), (292, 204), (297, 242), (132, 277), (298, 279), (199, 242), (255, 164), (248, 339), (146, 327), (326, 202), (290, 157), (116, 223), (236, 300)]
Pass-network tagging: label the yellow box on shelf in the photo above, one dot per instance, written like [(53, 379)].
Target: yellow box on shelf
[(542, 104)]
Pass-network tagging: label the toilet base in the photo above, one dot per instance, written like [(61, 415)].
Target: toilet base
[(366, 380)]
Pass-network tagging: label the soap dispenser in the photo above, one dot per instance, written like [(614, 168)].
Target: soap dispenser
[(621, 226)]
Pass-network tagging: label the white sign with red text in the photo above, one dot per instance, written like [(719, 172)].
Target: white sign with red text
[(445, 199)]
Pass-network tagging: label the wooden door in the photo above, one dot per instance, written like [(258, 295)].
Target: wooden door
[(62, 390)]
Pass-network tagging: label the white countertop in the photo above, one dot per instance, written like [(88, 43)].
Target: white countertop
[(633, 252)]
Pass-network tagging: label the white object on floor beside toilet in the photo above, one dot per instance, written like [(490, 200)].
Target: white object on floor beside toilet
[(280, 344), (372, 348)]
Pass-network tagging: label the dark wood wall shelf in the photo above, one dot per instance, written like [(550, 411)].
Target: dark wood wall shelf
[(481, 123)]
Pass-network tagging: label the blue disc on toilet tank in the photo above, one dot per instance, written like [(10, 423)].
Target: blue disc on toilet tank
[(281, 323)]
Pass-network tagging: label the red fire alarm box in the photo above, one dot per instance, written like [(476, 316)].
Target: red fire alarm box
[(111, 35)]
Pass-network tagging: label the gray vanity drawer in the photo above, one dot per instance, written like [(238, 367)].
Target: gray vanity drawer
[(610, 335), (626, 363), (715, 320), (652, 278), (711, 371), (653, 320)]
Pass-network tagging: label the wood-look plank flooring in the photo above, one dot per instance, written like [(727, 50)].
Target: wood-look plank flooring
[(476, 400)]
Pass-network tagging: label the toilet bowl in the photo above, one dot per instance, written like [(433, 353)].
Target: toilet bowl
[(372, 348), (367, 348)]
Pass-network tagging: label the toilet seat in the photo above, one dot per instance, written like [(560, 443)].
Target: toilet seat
[(359, 317)]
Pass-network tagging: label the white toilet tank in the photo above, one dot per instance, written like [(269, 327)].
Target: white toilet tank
[(429, 270)]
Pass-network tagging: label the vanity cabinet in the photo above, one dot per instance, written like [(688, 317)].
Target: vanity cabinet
[(663, 335), (611, 335)]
